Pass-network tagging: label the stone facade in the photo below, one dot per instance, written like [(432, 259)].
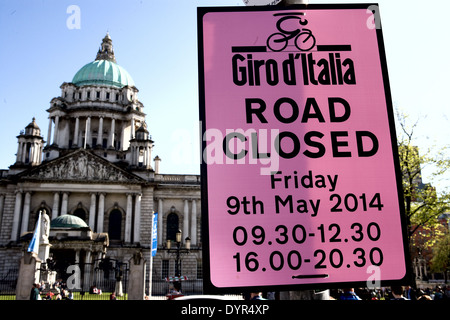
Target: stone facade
[(96, 164)]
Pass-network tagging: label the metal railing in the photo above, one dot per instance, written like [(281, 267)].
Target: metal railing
[(188, 287), (8, 283)]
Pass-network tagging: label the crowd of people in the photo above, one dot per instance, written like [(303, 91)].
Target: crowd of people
[(42, 291), (393, 293), (59, 291), (385, 293), (39, 291)]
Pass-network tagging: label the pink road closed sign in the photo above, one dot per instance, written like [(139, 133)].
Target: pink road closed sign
[(300, 179)]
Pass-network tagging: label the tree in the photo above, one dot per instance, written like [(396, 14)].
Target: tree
[(423, 204), (441, 256)]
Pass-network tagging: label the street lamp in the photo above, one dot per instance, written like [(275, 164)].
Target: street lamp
[(178, 251)]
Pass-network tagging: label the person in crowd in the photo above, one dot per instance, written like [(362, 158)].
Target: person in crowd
[(438, 293), (256, 296), (410, 293), (349, 294), (42, 287), (397, 293), (424, 297), (49, 295), (35, 294)]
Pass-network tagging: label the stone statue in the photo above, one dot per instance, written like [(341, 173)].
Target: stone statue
[(45, 226)]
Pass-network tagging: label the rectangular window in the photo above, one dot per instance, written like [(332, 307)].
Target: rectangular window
[(199, 269), (165, 269)]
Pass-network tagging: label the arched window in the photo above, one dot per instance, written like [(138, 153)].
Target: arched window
[(115, 225), (172, 226), (28, 152), (80, 213)]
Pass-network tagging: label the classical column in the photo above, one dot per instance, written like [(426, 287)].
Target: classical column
[(160, 221), (186, 219), (147, 157), (37, 152), (26, 213), (41, 150), (111, 133), (65, 202), (132, 129), (128, 217), (76, 132), (137, 219), (122, 137), (17, 211), (144, 157), (19, 152), (92, 212), (30, 152), (101, 212), (194, 223), (55, 209), (64, 136), (33, 153), (49, 133), (55, 133), (137, 155), (24, 152), (100, 131), (87, 133)]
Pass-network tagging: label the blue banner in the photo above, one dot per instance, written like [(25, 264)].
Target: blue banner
[(34, 243), (154, 233)]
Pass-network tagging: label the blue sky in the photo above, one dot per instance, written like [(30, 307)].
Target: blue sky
[(156, 42)]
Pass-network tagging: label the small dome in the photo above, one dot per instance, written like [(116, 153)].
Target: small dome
[(32, 129), (68, 221), (33, 124), (103, 72)]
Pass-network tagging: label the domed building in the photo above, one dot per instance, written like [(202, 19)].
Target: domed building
[(95, 179), (100, 110)]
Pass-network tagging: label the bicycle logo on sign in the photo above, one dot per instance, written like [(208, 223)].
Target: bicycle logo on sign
[(304, 39)]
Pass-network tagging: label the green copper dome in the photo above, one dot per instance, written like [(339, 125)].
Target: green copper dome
[(104, 70), (68, 221)]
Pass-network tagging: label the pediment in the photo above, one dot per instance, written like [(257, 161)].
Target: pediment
[(81, 165)]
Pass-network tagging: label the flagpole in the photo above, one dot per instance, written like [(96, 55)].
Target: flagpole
[(150, 272), (153, 238), (33, 247)]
